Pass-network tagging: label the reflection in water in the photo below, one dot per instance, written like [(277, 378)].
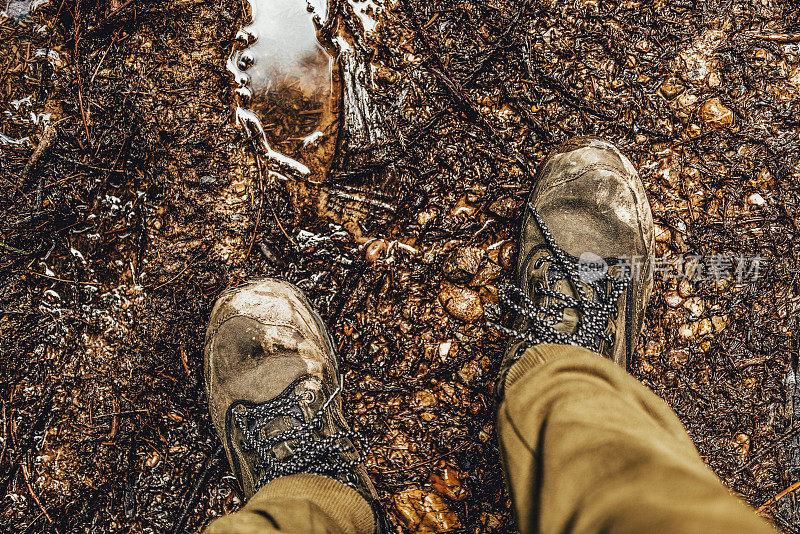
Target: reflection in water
[(285, 92)]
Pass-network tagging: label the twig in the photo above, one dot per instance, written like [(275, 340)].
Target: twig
[(190, 501), (791, 489), (33, 493), (159, 286), (260, 207), (77, 62), (498, 45), (425, 462), (57, 279), (107, 20), (41, 421), (100, 63), (48, 136), (459, 96), (776, 37), (13, 249), (557, 86)]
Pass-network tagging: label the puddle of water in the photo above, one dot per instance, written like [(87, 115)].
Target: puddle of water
[(303, 82), (285, 92)]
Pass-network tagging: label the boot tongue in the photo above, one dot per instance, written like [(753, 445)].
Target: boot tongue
[(308, 400), (592, 270)]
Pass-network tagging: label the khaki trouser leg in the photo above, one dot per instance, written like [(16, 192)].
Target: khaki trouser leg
[(588, 449), (300, 504)]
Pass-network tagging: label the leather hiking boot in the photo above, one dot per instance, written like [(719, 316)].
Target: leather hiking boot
[(584, 264), (273, 390)]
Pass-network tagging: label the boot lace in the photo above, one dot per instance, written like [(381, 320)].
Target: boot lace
[(311, 452), (594, 314)]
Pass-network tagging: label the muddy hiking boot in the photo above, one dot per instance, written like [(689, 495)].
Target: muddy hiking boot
[(274, 390), (584, 269)]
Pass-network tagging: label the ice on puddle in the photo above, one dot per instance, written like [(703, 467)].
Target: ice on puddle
[(19, 9), (52, 56), (312, 138), (6, 140), (16, 104), (77, 254)]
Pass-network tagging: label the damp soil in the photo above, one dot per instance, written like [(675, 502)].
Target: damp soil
[(129, 200)]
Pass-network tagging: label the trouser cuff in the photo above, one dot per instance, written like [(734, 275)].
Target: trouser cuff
[(344, 505), (533, 356)]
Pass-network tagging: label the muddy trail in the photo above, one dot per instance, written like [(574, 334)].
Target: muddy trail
[(129, 199)]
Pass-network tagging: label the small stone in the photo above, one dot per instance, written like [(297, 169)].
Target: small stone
[(153, 460), (461, 303), (507, 253), (469, 371), (756, 200), (375, 250), (673, 299), (697, 64), (719, 322), (686, 101), (427, 215), (463, 263), (239, 188), (491, 522), (670, 89), (448, 484), (504, 207), (688, 330), (678, 358), (488, 273), (685, 288), (742, 441), (421, 511), (663, 235), (715, 115), (424, 398), (704, 327), (695, 305), (714, 80)]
